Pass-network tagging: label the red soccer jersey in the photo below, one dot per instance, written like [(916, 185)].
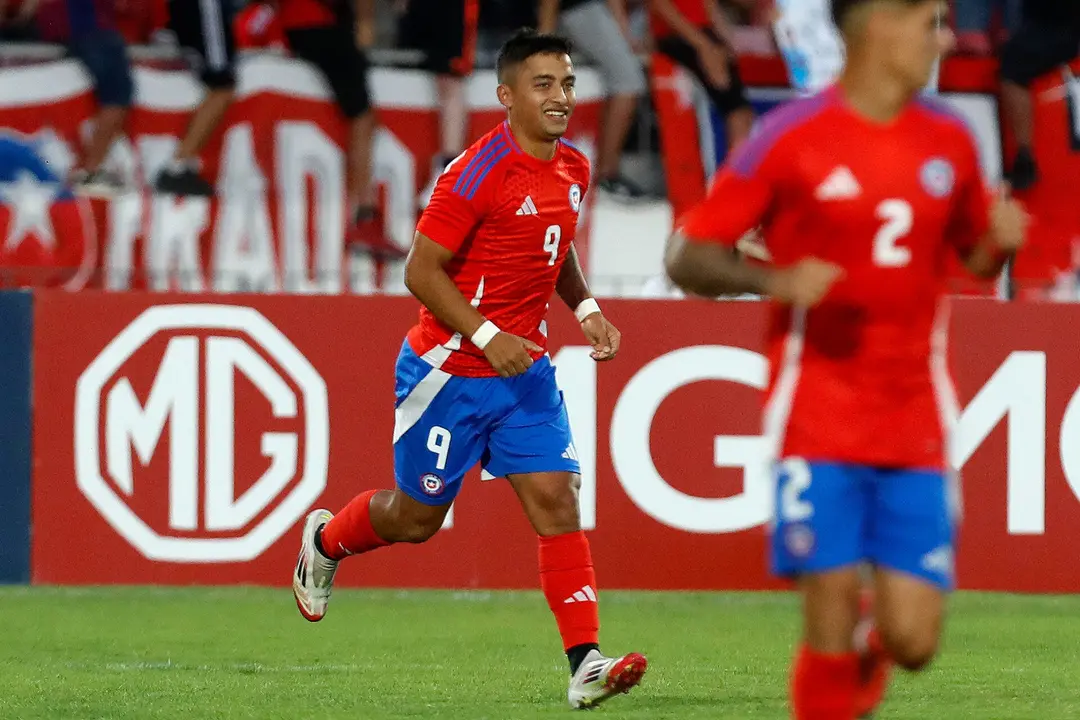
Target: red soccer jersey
[(862, 378), (509, 219)]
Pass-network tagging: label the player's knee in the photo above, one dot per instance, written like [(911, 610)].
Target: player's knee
[(912, 648), (555, 507), (418, 530), (413, 522)]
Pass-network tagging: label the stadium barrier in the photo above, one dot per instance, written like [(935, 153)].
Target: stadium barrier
[(181, 438)]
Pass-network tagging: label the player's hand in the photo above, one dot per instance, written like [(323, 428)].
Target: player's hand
[(715, 62), (804, 284), (602, 335), (1008, 221), (509, 354)]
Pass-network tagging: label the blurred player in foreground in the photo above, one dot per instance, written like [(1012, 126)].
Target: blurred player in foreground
[(474, 383), (862, 191)]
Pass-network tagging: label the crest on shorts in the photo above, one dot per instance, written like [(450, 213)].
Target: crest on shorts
[(575, 197), (938, 177), (799, 540), (432, 484)]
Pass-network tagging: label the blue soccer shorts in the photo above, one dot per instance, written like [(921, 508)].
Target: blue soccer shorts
[(444, 425), (830, 516)]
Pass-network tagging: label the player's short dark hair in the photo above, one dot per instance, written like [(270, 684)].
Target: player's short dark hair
[(525, 43), (842, 8)]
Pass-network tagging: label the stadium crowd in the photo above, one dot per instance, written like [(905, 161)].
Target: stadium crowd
[(451, 37)]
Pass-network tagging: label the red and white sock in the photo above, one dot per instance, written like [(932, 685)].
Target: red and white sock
[(350, 531), (823, 686), (569, 584)]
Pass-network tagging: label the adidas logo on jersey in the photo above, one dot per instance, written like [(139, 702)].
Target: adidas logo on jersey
[(528, 207), (840, 185), (585, 594)]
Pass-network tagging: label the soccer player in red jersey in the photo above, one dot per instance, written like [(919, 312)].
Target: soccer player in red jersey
[(474, 383), (861, 192)]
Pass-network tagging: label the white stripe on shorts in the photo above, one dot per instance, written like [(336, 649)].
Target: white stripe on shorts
[(213, 29)]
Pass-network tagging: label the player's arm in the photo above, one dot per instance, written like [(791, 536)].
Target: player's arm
[(985, 229), (547, 16), (456, 209), (702, 256), (573, 288), (1008, 224), (427, 280), (571, 285)]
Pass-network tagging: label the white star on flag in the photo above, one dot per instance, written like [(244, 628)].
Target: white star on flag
[(29, 201)]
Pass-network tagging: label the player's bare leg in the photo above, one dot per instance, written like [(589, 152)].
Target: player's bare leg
[(910, 614), (373, 519), (825, 676), (550, 501)]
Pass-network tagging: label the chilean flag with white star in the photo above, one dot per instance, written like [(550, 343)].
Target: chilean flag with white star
[(46, 233)]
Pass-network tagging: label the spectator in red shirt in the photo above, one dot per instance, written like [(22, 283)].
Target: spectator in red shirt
[(694, 34), (327, 33), (88, 28)]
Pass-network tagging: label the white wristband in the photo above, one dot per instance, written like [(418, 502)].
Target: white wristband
[(586, 308), (484, 334)]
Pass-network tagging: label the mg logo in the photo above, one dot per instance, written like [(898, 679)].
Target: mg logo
[(228, 422)]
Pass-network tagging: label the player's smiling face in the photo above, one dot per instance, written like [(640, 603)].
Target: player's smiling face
[(542, 96)]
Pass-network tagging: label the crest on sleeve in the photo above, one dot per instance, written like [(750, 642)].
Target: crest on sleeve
[(575, 197), (938, 177)]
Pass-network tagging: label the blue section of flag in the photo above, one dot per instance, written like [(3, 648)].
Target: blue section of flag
[(19, 156), (16, 340)]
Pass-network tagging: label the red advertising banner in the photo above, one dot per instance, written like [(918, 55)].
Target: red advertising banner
[(181, 439)]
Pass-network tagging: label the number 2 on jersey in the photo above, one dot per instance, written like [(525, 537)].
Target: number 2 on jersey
[(898, 219), (552, 236)]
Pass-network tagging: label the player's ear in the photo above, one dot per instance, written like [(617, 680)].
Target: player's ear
[(505, 95)]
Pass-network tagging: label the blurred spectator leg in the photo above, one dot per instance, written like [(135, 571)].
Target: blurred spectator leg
[(973, 26), (453, 121), (105, 56), (1034, 50), (727, 94), (332, 48), (206, 29), (593, 28), (446, 32)]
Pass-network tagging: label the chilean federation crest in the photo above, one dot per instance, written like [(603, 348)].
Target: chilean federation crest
[(575, 197), (938, 177)]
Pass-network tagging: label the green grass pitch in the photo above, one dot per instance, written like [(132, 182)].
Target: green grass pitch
[(199, 653)]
